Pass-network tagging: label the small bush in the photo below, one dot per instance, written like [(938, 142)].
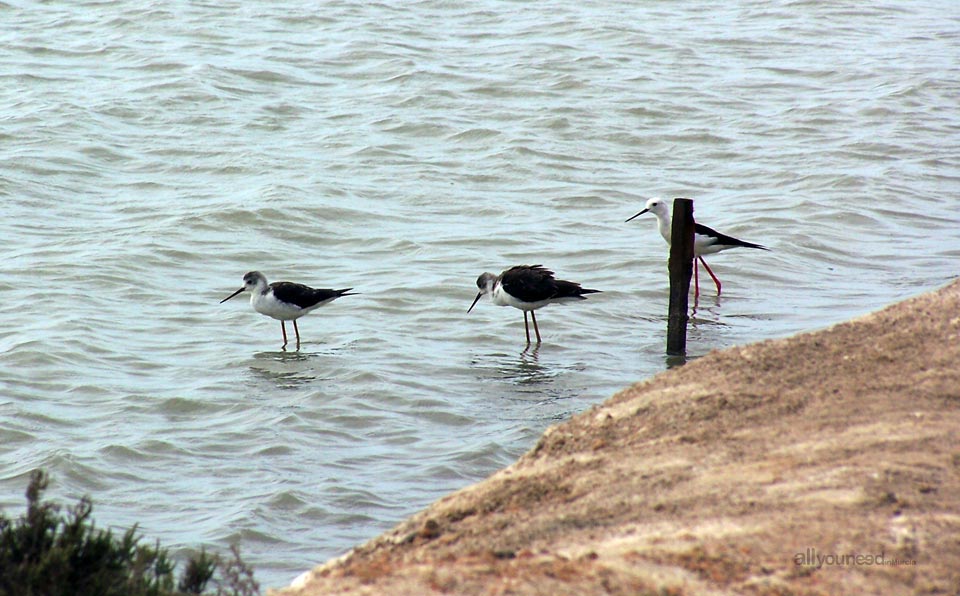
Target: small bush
[(46, 553)]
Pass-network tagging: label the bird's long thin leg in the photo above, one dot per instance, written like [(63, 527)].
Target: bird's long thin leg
[(533, 315), (283, 328), (696, 280), (715, 280), (298, 333), (526, 326)]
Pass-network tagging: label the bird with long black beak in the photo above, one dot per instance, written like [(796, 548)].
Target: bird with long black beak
[(707, 241), (284, 300), (528, 287)]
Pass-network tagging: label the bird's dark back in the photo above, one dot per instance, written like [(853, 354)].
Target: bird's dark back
[(533, 283), (303, 296)]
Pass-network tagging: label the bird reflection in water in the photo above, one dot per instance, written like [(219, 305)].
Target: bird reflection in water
[(285, 370), (527, 370), (525, 388), (524, 369)]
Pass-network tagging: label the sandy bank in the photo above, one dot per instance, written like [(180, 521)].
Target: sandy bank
[(735, 474)]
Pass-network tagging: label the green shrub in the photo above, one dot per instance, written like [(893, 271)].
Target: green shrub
[(46, 553)]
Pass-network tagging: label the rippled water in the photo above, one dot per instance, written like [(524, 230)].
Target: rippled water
[(152, 153)]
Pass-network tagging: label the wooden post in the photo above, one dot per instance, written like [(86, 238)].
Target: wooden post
[(681, 270)]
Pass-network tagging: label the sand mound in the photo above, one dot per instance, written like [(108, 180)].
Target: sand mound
[(826, 463)]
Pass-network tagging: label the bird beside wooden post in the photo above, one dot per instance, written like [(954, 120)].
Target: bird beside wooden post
[(707, 241)]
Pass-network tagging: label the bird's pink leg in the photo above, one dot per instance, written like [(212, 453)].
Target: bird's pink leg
[(283, 328), (297, 331), (526, 326), (536, 328), (696, 280), (715, 280)]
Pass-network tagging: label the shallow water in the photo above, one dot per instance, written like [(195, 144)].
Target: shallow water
[(152, 153)]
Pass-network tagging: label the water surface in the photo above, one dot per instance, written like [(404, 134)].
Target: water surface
[(152, 153)]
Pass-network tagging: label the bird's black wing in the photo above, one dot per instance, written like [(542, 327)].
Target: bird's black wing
[(304, 296), (724, 239), (529, 283)]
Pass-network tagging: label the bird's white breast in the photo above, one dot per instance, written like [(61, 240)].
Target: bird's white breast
[(501, 297), (267, 304)]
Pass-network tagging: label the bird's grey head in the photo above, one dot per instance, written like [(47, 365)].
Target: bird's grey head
[(251, 281), (485, 282)]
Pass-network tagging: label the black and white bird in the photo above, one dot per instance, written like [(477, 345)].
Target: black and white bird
[(284, 300), (707, 241), (528, 287)]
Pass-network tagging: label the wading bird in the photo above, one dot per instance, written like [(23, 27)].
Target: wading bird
[(528, 287), (707, 241), (284, 300)]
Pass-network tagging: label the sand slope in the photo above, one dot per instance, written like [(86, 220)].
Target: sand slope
[(730, 475)]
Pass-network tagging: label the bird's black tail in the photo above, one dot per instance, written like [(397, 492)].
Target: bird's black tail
[(746, 244), (731, 241), (569, 289), (725, 240), (327, 294)]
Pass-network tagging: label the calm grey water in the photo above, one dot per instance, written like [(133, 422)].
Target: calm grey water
[(151, 153)]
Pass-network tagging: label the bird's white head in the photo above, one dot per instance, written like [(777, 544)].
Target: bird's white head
[(485, 282), (252, 282), (657, 206)]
